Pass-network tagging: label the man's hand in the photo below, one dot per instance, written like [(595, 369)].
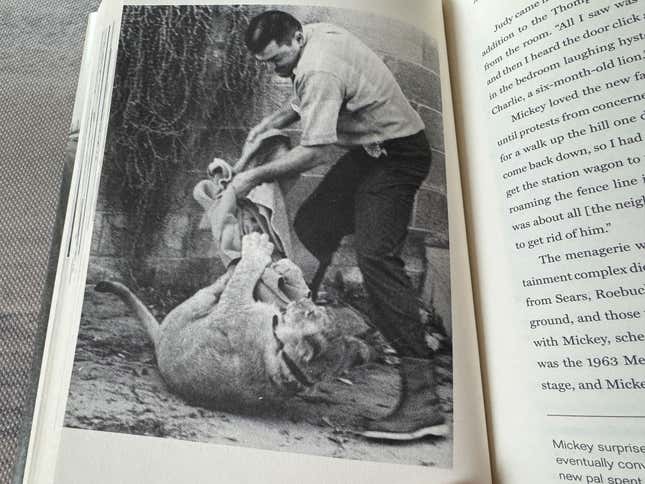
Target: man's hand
[(243, 183), (297, 160)]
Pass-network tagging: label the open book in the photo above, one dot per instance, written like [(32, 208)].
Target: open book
[(524, 252)]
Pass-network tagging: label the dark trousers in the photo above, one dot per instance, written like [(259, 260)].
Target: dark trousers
[(373, 199)]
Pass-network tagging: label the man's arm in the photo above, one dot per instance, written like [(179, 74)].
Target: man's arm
[(279, 119), (282, 118), (297, 160)]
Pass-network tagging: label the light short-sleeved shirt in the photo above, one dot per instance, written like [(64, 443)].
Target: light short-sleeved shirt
[(345, 94)]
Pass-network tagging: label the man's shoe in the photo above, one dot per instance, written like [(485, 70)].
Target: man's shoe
[(418, 413)]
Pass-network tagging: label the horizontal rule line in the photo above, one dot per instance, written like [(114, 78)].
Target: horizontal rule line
[(592, 416)]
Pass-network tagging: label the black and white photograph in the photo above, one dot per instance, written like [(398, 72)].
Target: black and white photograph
[(270, 260)]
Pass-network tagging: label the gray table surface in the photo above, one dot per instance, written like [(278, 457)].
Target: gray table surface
[(40, 56)]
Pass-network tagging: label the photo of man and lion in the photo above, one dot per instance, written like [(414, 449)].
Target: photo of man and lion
[(270, 257)]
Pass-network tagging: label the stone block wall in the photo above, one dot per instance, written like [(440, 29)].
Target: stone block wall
[(185, 255)]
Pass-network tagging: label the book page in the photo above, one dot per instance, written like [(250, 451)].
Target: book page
[(551, 119), (186, 91)]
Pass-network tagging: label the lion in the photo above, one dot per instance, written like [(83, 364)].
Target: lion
[(222, 349)]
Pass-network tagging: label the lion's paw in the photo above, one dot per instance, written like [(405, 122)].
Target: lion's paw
[(295, 286), (256, 245)]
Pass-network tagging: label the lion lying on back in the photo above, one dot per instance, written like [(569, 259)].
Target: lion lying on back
[(222, 349)]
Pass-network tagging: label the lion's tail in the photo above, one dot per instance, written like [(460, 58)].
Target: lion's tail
[(143, 313)]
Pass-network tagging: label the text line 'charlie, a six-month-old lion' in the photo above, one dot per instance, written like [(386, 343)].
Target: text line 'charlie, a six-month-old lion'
[(223, 349)]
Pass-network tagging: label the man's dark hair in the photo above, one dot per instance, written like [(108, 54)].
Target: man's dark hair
[(268, 26)]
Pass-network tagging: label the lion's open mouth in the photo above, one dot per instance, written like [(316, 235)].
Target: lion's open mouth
[(295, 371)]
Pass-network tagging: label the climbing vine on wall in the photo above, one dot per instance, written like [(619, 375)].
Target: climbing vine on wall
[(180, 70)]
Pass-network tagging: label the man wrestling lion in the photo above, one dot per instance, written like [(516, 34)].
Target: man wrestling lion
[(254, 337)]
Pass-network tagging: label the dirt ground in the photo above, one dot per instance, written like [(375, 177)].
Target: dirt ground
[(116, 387)]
